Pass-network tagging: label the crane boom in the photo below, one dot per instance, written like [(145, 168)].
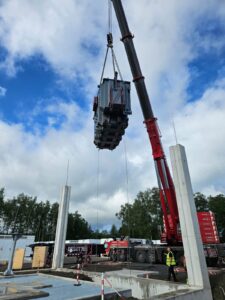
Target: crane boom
[(165, 182)]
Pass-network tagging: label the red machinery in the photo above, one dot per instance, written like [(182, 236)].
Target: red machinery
[(165, 182), (208, 228), (171, 234), (128, 249)]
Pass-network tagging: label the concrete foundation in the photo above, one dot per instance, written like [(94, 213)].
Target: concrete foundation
[(193, 248), (59, 248), (143, 288)]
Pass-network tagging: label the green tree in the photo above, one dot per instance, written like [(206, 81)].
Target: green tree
[(1, 202), (114, 231), (42, 212), (143, 217), (78, 227), (25, 215), (201, 202), (217, 206), (52, 220)]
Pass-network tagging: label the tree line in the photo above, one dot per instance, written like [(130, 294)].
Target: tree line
[(141, 219), (24, 214)]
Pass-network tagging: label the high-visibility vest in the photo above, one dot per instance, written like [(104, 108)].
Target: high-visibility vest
[(170, 261)]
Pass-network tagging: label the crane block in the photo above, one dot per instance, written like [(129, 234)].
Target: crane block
[(111, 109)]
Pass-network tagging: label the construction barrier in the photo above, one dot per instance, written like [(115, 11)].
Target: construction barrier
[(102, 287), (78, 275)]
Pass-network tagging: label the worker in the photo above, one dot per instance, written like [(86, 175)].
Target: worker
[(170, 262)]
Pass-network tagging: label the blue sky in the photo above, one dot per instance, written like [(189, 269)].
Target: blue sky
[(209, 65), (50, 65), (36, 83)]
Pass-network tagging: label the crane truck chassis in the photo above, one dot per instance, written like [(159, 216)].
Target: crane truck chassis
[(130, 250), (171, 234), (105, 138)]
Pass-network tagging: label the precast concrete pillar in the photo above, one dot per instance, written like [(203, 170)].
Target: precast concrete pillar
[(192, 242), (60, 237), (9, 271)]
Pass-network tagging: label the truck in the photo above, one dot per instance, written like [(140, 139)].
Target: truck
[(129, 249), (171, 235)]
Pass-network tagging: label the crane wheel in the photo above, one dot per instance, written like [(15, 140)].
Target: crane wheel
[(141, 256), (114, 257), (149, 257), (122, 257)]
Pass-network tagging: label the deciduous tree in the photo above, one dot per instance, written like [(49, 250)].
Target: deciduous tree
[(142, 218)]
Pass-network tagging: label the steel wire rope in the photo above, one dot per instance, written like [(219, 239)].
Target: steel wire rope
[(128, 198), (113, 62), (114, 59), (116, 63), (109, 15), (103, 68), (109, 30), (97, 192)]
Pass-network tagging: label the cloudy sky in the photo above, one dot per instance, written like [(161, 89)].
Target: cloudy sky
[(51, 57)]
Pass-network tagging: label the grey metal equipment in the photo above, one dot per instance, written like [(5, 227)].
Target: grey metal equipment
[(112, 104), (111, 107)]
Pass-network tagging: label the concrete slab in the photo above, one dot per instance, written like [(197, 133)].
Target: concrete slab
[(11, 290), (55, 288)]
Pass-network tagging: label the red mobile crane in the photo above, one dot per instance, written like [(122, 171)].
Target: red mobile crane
[(165, 182), (171, 234)]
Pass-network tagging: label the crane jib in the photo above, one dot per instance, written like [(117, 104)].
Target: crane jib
[(138, 78)]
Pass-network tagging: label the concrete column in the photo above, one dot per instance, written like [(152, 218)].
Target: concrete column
[(9, 271), (60, 237), (192, 242)]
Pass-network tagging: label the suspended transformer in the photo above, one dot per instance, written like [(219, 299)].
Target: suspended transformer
[(111, 106), (111, 109)]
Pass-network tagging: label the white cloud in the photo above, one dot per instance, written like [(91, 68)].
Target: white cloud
[(2, 91), (167, 38), (62, 34), (200, 126)]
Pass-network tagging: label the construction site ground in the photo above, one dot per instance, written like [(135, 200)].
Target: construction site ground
[(156, 271)]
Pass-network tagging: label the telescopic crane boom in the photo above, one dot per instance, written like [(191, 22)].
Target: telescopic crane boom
[(166, 187)]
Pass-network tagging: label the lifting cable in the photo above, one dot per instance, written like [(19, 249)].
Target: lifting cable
[(97, 194), (116, 68), (97, 183), (128, 199), (126, 170)]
